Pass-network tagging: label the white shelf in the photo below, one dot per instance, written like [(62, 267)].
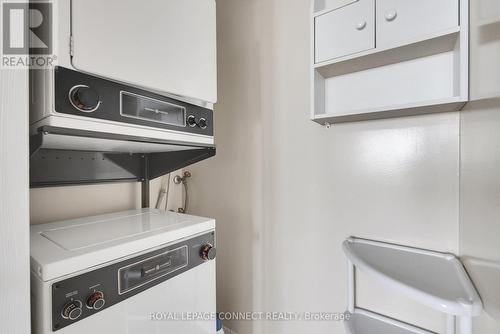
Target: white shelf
[(366, 322), (399, 110), (435, 279)]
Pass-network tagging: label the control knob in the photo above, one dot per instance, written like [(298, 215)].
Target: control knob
[(208, 252), (84, 98), (191, 121), (72, 310), (203, 123), (96, 300)]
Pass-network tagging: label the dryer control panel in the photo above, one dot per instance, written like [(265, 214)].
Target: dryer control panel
[(82, 296), (85, 95)]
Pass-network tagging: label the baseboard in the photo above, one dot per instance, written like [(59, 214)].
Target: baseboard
[(228, 331)]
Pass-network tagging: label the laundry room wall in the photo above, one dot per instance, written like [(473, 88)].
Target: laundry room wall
[(480, 163), (61, 203), (286, 192)]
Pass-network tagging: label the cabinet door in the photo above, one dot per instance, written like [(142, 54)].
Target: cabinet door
[(344, 31), (405, 20)]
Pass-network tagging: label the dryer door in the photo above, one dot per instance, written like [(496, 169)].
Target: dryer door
[(164, 46)]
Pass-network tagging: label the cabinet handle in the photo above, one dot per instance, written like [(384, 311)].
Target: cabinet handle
[(361, 25), (391, 15)]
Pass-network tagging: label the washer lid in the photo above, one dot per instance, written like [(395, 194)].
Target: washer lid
[(61, 248)]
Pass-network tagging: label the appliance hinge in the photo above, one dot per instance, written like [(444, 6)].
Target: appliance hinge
[(71, 46)]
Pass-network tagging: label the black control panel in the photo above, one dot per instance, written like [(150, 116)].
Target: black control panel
[(85, 95), (82, 296)]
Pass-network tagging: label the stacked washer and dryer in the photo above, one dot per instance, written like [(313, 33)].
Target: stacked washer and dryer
[(143, 71)]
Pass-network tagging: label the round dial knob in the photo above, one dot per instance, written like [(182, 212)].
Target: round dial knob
[(96, 300), (208, 252), (72, 310), (191, 121), (84, 98), (203, 123)]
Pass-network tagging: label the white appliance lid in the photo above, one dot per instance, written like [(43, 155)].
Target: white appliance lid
[(65, 247)]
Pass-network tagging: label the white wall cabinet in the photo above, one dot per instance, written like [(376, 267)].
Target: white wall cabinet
[(402, 20), (387, 58), (346, 30)]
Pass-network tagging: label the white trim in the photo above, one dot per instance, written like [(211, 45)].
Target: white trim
[(14, 201), (80, 123)]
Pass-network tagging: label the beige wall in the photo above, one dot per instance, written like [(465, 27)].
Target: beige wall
[(480, 164), (61, 203), (480, 206), (286, 192)]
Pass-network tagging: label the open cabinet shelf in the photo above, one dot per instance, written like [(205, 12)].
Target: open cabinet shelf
[(63, 156), (366, 322), (434, 279), (370, 63)]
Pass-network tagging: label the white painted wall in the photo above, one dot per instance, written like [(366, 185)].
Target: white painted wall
[(480, 163), (14, 219), (479, 206), (286, 192)]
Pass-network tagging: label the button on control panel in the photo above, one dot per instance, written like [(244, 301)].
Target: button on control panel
[(96, 300), (72, 310), (203, 123), (208, 252), (191, 121), (82, 296), (84, 98)]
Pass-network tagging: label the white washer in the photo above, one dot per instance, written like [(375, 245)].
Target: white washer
[(134, 272)]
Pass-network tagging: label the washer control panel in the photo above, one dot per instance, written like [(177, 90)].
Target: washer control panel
[(82, 296), (85, 95)]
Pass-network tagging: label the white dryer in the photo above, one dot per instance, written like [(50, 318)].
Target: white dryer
[(140, 271), (126, 67)]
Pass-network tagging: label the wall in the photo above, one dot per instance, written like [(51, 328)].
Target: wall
[(480, 163), (14, 220), (61, 203), (286, 192), (479, 209)]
